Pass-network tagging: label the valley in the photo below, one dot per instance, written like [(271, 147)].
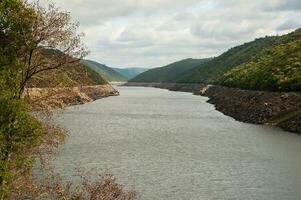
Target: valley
[(172, 100)]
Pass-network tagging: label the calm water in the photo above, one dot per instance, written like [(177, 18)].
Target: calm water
[(173, 145)]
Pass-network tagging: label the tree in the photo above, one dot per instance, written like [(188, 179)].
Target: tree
[(33, 39), (46, 38), (11, 12), (19, 132)]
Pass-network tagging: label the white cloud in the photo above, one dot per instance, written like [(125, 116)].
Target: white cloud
[(144, 33)]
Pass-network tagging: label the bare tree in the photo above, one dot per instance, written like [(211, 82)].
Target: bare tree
[(53, 41)]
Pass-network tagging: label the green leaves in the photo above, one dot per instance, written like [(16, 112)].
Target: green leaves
[(277, 68), (19, 133)]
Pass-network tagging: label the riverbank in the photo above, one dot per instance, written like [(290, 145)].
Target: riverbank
[(281, 109), (51, 98)]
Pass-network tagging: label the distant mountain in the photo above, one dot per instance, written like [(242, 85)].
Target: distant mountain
[(130, 72), (169, 73), (108, 73)]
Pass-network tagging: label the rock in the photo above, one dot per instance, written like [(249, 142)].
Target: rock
[(51, 98)]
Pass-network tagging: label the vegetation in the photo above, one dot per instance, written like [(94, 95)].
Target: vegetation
[(30, 35), (48, 29), (102, 187), (67, 76), (19, 132), (270, 63), (130, 73), (169, 73), (276, 68), (108, 73), (211, 71), (94, 77)]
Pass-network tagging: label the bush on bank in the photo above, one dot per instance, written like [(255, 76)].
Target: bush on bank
[(26, 30)]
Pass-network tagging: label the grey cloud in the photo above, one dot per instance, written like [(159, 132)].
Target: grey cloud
[(151, 33), (284, 5), (289, 25), (91, 11)]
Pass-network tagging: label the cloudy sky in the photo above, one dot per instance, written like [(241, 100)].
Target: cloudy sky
[(152, 33)]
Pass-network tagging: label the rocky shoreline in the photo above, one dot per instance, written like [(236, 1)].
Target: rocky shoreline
[(281, 109), (51, 98)]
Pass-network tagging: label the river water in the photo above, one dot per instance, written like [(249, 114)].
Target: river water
[(174, 145)]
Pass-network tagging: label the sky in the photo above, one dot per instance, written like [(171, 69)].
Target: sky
[(153, 33)]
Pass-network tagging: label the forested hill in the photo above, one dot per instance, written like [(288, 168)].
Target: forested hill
[(276, 68), (130, 72), (170, 72), (108, 73), (66, 76), (78, 75), (271, 63), (211, 71)]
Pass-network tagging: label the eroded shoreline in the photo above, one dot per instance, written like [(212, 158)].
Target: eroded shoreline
[(281, 109), (51, 98)]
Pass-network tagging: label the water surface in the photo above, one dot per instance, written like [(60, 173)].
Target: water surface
[(173, 145)]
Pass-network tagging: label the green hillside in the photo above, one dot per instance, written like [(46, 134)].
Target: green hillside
[(275, 68), (96, 79), (211, 71), (170, 72), (108, 73), (270, 63), (66, 76), (130, 73), (77, 75)]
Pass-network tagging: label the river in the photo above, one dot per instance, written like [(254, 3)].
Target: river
[(173, 145)]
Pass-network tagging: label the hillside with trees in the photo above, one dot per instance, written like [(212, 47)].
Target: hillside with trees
[(209, 72), (130, 73), (277, 68), (271, 63), (108, 73), (169, 73), (68, 75)]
